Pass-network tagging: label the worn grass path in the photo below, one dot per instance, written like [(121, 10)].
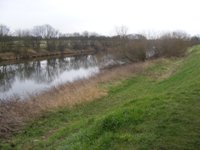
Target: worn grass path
[(158, 109)]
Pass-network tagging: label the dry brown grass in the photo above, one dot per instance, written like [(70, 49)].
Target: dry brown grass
[(15, 113)]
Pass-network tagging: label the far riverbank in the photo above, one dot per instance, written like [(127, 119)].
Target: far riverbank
[(10, 58)]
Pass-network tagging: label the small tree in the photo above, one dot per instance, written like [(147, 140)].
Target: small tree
[(121, 31)]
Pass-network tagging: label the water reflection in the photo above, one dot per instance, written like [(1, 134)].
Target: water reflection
[(34, 76)]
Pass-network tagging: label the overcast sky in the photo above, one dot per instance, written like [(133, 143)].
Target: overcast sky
[(102, 16)]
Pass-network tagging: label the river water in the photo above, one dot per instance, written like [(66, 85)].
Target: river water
[(29, 78)]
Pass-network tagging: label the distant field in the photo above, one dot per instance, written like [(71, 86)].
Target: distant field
[(159, 109)]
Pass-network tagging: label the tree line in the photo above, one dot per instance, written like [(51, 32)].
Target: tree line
[(45, 37), (132, 47), (139, 47)]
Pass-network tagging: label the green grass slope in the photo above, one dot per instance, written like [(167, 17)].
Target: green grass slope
[(159, 109)]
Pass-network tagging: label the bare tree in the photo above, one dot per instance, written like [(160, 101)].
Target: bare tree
[(94, 34), (45, 31), (22, 33), (38, 31), (136, 48), (75, 34), (86, 34), (121, 31), (4, 30), (120, 42), (172, 44), (50, 32), (4, 39), (131, 47)]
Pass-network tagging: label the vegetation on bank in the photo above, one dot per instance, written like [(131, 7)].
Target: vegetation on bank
[(45, 38), (133, 47), (157, 108), (8, 58)]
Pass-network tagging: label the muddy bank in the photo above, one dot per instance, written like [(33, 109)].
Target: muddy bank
[(8, 58)]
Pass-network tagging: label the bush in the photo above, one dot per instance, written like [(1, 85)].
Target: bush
[(172, 44)]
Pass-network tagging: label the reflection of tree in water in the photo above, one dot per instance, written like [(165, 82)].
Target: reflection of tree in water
[(42, 71), (84, 62), (52, 70), (7, 76)]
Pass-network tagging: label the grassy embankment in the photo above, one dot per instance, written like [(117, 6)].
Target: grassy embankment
[(156, 109)]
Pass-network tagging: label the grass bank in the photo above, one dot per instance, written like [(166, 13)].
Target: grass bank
[(157, 108)]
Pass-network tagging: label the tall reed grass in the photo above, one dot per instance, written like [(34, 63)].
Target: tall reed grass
[(15, 113)]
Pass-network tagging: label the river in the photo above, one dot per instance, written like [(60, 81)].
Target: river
[(29, 78)]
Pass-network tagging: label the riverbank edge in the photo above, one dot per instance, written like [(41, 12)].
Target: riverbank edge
[(11, 58), (124, 118), (14, 113)]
